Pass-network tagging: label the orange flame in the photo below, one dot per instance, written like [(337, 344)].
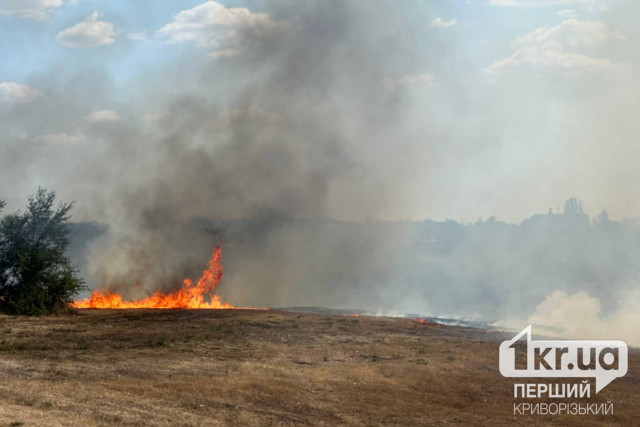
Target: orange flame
[(188, 296), (423, 321)]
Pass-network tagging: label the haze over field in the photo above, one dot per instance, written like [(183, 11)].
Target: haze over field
[(179, 124)]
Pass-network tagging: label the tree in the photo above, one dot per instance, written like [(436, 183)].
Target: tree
[(573, 206), (36, 277)]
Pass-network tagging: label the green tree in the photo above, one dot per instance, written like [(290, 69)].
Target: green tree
[(36, 277)]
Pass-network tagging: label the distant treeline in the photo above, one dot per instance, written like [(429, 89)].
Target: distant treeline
[(487, 269)]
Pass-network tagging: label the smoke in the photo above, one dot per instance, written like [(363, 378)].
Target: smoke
[(581, 316), (288, 127), (302, 134)]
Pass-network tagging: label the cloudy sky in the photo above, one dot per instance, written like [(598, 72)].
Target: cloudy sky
[(384, 110)]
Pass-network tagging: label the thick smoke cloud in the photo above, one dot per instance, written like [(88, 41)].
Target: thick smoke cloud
[(293, 137), (282, 130)]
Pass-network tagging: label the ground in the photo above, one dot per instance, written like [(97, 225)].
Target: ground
[(262, 367)]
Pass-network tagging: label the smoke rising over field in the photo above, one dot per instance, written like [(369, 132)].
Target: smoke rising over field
[(276, 117), (285, 128), (278, 136)]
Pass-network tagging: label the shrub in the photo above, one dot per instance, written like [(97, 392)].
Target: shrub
[(36, 277)]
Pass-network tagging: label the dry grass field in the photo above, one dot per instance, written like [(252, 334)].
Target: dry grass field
[(210, 367)]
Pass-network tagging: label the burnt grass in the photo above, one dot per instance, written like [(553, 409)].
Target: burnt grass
[(263, 367)]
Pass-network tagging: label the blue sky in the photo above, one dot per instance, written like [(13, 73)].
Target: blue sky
[(28, 45)]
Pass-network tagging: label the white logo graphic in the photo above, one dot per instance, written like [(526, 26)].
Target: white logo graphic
[(600, 359)]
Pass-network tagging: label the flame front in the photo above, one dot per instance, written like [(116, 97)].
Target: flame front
[(188, 296)]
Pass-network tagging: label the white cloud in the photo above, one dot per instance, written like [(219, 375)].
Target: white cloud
[(36, 9), (569, 33), (440, 23), (12, 92), (215, 26), (567, 13), (552, 47), (548, 58), (104, 116), (88, 33), (140, 37)]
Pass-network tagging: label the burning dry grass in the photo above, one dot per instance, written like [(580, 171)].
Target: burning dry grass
[(189, 295), (207, 367)]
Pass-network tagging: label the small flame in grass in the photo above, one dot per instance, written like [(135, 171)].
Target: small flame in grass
[(188, 296), (423, 321)]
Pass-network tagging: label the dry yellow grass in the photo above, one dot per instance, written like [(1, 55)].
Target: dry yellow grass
[(209, 367)]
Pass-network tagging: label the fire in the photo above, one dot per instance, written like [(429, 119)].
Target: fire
[(188, 296), (423, 321)]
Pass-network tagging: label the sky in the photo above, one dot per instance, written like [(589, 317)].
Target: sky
[(439, 109)]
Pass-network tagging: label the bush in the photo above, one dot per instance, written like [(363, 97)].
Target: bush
[(36, 277)]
